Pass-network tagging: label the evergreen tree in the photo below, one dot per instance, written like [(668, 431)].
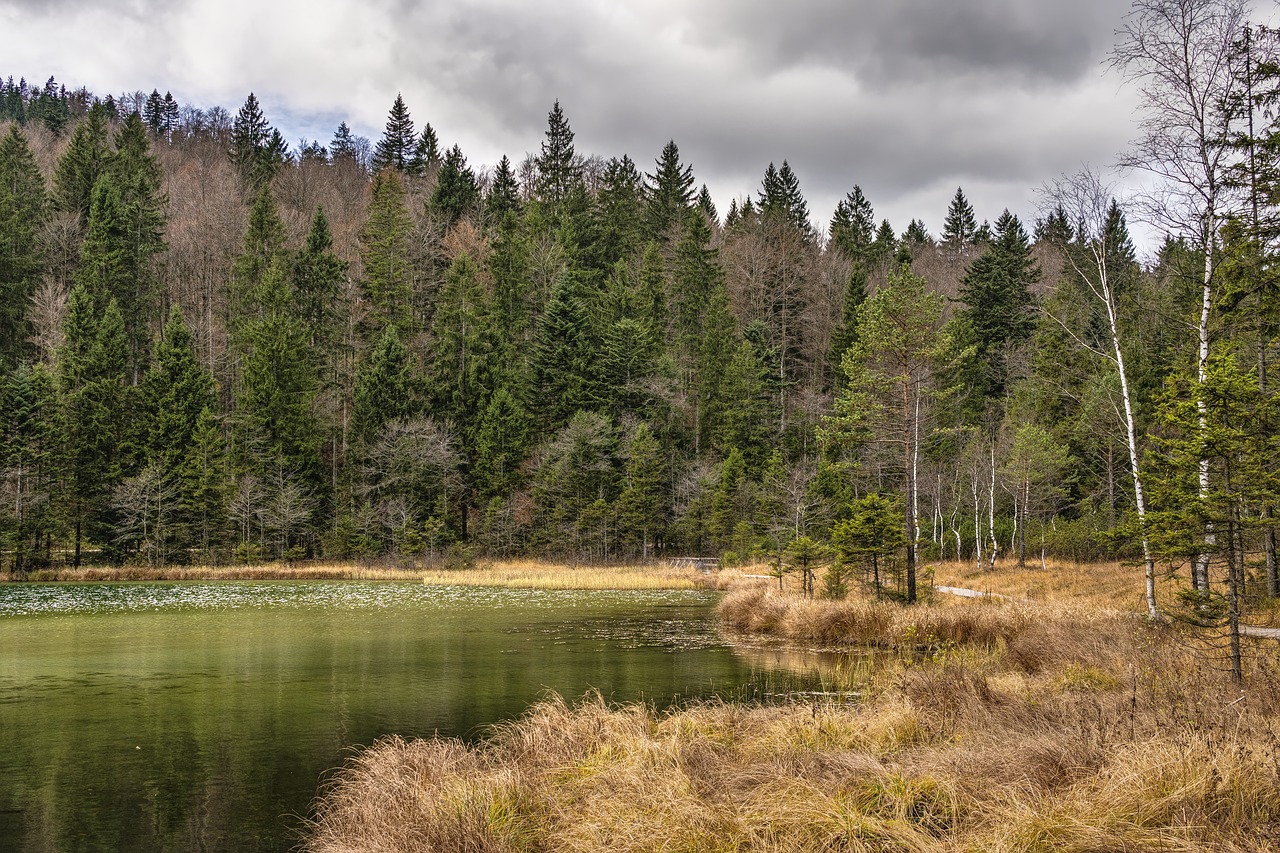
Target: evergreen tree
[(456, 193), (959, 228), (997, 296), (204, 484), (668, 193), (500, 445), (563, 360), (707, 205), (743, 424), (781, 199), (32, 457), (846, 334), (885, 245), (641, 506), (385, 252), (462, 365), (504, 193), (385, 389), (83, 161), (916, 235), (853, 225), (175, 390), (264, 238), (277, 429), (24, 208), (395, 150), (258, 151), (558, 170), (620, 211), (343, 146), (426, 153), (317, 276)]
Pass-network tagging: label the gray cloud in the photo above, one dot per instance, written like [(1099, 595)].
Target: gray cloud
[(907, 98)]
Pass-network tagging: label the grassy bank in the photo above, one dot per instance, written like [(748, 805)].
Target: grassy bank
[(512, 573), (1022, 728)]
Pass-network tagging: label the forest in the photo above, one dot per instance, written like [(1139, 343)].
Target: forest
[(216, 347)]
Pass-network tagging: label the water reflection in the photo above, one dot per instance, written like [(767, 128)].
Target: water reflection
[(157, 717)]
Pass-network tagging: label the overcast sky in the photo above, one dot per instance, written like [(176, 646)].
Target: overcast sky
[(908, 98)]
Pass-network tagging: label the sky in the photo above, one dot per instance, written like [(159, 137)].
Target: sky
[(909, 99)]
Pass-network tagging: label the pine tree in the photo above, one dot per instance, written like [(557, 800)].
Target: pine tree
[(175, 390), (24, 208), (668, 193), (343, 148), (83, 161), (563, 362), (32, 458), (396, 148), (959, 228), (277, 428)]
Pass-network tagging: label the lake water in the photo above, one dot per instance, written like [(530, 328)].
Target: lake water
[(203, 716)]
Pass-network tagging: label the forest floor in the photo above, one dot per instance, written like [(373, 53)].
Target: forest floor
[(1046, 721)]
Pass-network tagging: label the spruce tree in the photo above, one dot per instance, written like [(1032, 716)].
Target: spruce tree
[(204, 484), (997, 296), (500, 445), (456, 193), (263, 249), (426, 153), (317, 276), (462, 350), (396, 148), (24, 207), (846, 334), (258, 151), (175, 390), (385, 389), (83, 161), (563, 363), (853, 225), (641, 506), (343, 148), (385, 252), (504, 193), (959, 228), (707, 205), (668, 193), (781, 199), (619, 212), (32, 460), (558, 169)]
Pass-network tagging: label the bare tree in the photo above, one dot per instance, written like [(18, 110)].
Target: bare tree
[(1086, 200), (1180, 54)]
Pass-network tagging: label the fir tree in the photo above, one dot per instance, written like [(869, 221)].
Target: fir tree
[(317, 275), (264, 238), (707, 205), (426, 153), (24, 208), (80, 165), (456, 193), (258, 151), (396, 148), (564, 353), (385, 252), (504, 193), (558, 169), (462, 347), (668, 193), (385, 389), (781, 199), (641, 506), (343, 148), (32, 459), (853, 225), (500, 445), (959, 228), (175, 390), (619, 212)]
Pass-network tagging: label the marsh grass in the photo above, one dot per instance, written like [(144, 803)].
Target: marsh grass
[(510, 573), (986, 725)]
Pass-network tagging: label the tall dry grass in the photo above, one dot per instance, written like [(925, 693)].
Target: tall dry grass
[(1076, 757), (509, 573), (1027, 727)]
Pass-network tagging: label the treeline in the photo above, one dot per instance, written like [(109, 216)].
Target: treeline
[(216, 347)]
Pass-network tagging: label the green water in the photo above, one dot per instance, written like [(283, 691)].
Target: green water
[(202, 717)]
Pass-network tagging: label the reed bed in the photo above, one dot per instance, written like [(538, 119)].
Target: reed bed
[(1133, 744), (521, 574)]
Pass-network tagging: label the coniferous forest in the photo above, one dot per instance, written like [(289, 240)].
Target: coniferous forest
[(218, 347)]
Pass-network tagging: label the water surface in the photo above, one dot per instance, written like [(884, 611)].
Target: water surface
[(202, 716)]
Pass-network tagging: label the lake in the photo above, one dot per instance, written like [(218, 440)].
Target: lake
[(203, 716)]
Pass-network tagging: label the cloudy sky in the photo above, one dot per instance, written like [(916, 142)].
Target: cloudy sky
[(908, 98)]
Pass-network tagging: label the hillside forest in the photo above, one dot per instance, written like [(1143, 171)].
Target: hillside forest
[(216, 346)]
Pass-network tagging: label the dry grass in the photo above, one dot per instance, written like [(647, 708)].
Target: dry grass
[(1051, 752), (511, 573), (1111, 585)]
